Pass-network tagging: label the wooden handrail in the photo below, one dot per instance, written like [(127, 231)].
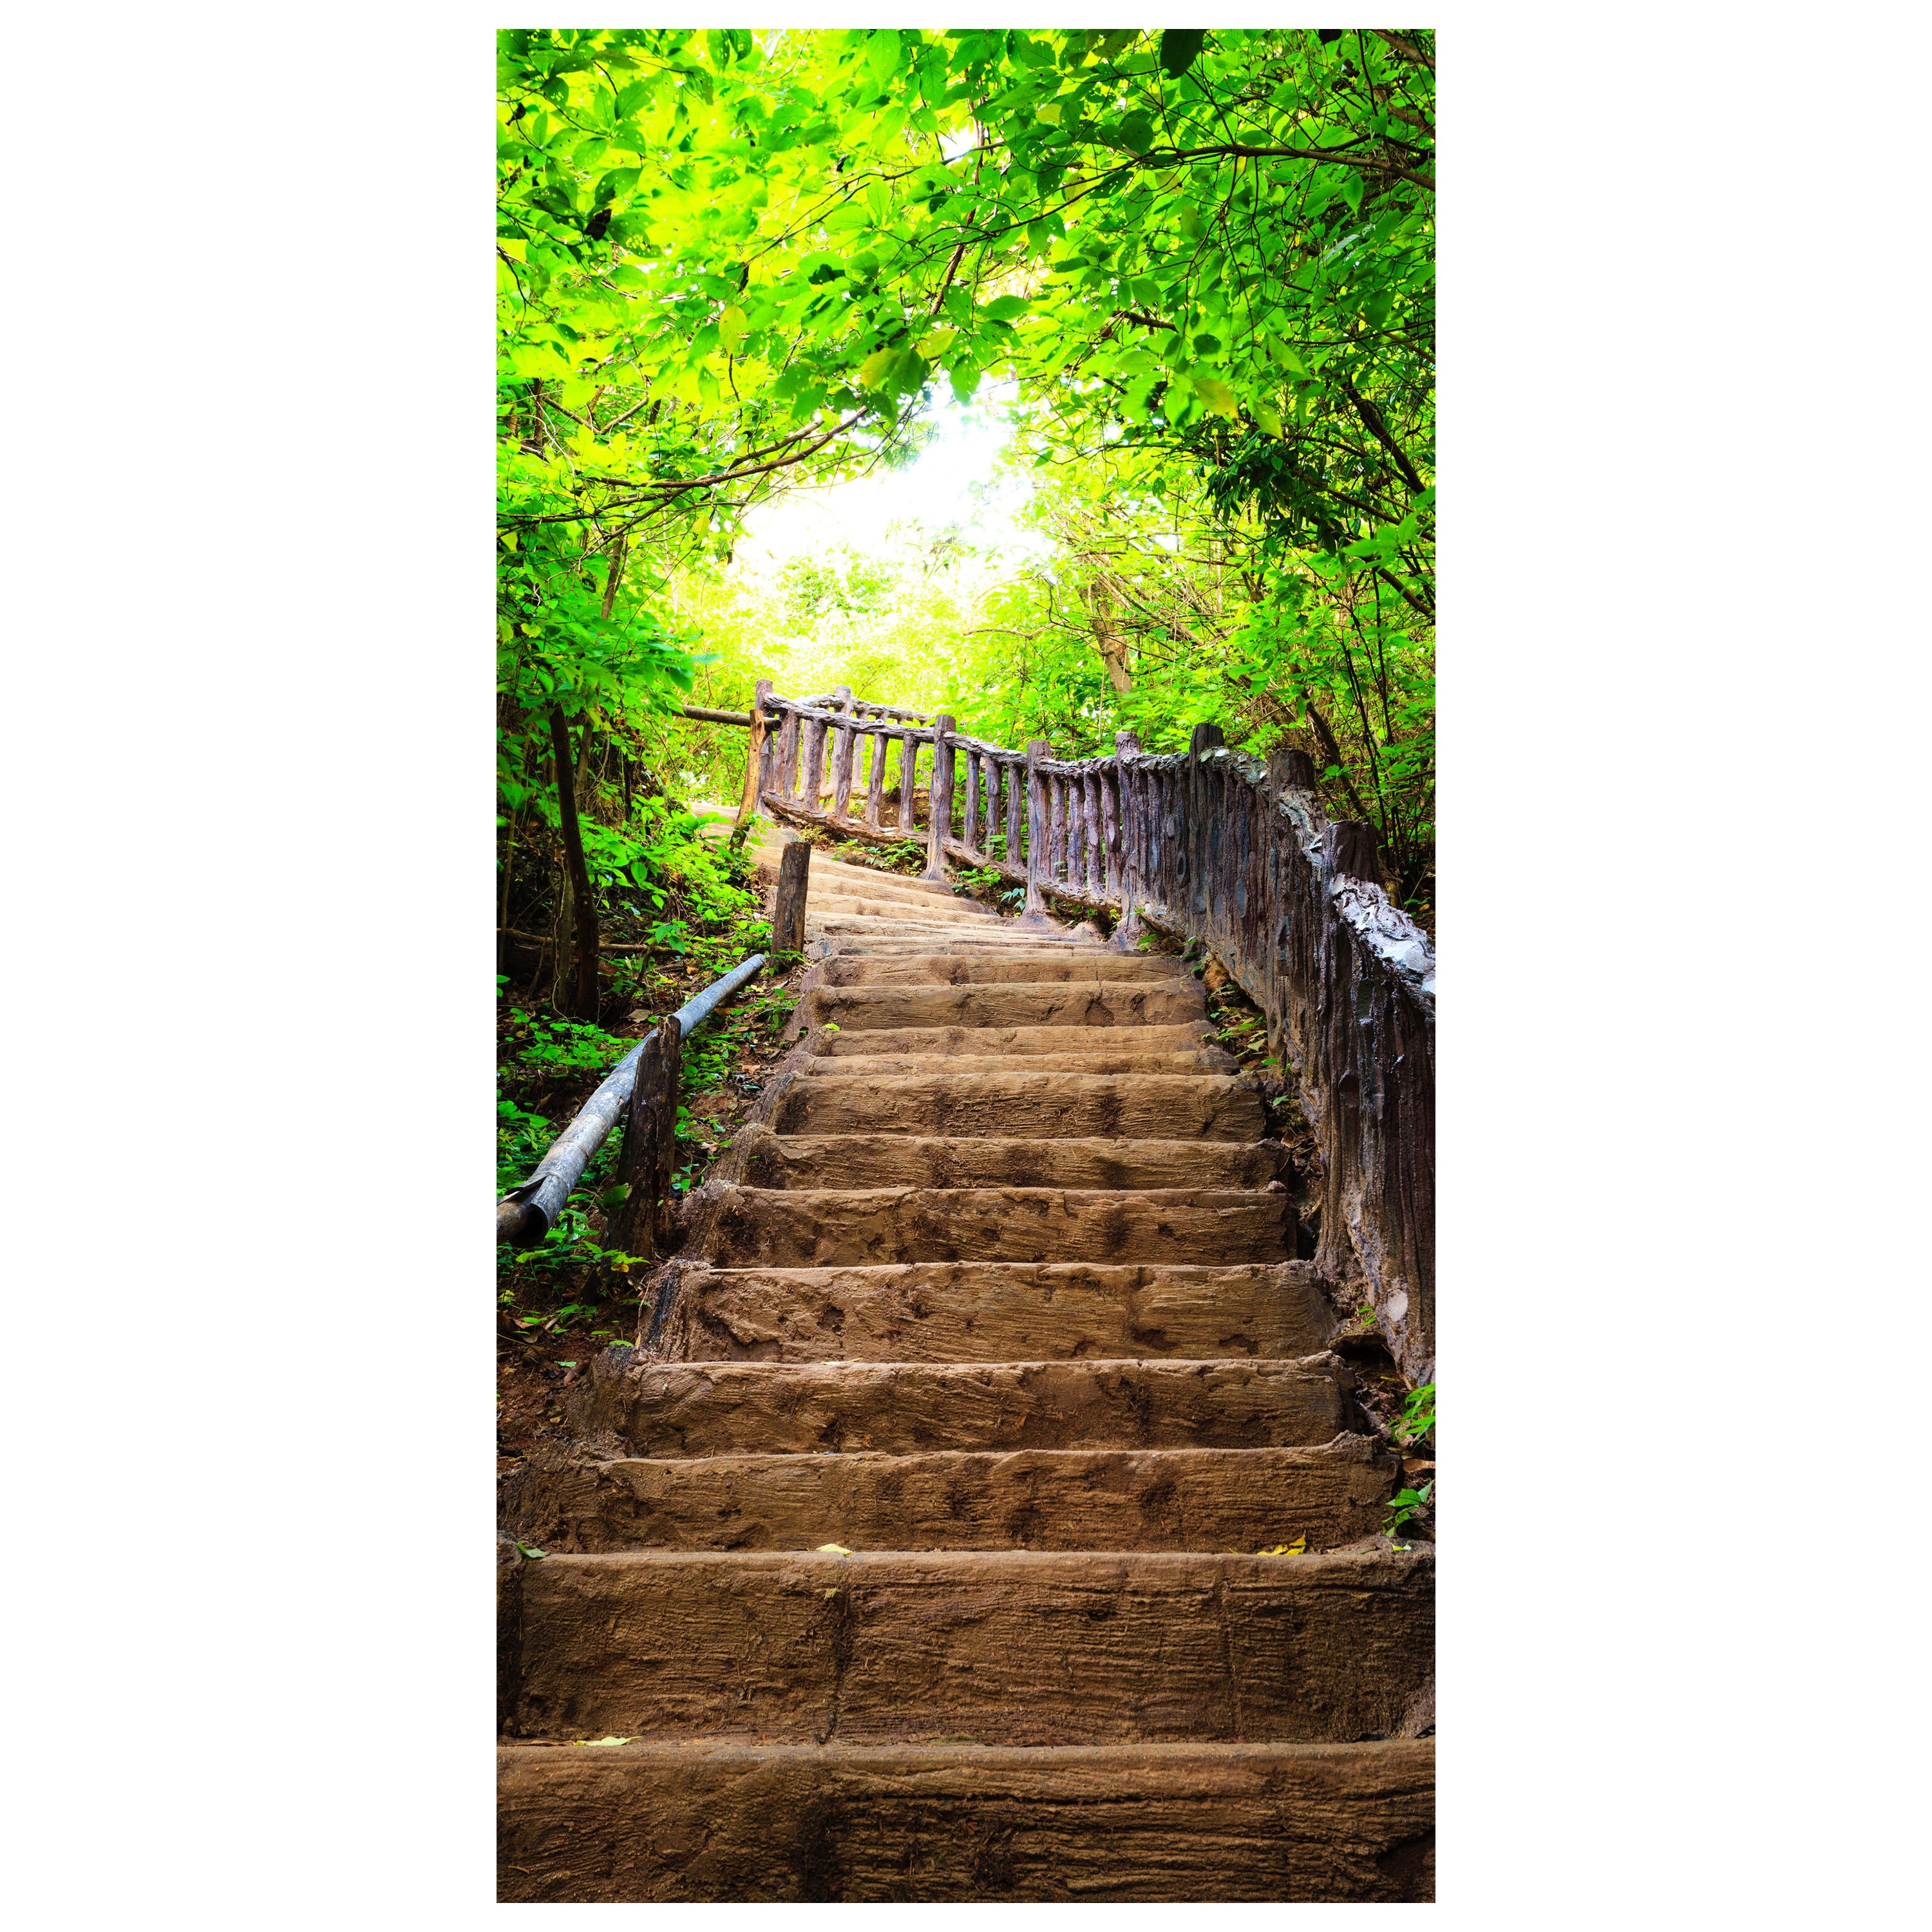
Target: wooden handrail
[(527, 1213)]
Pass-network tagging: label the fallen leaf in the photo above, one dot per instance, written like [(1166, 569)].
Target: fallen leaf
[(600, 1741), (531, 1551), (1299, 1547), (833, 1550)]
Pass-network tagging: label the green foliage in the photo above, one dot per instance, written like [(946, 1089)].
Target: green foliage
[(1417, 1422), (730, 262), (1406, 1503)]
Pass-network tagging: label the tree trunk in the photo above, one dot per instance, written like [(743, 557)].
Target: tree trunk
[(583, 999), (1107, 634)]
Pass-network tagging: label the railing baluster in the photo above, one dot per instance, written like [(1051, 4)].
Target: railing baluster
[(875, 778)]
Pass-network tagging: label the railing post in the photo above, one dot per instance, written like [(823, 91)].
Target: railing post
[(940, 798), (1015, 807), (785, 769), (757, 757), (842, 755), (1290, 770), (811, 763), (971, 840), (1036, 859), (908, 778), (875, 780), (788, 901), (646, 1158), (1349, 846)]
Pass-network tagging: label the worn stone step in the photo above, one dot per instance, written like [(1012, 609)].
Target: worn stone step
[(1008, 1105), (656, 1823), (1012, 941), (1018, 1003), (908, 1160), (984, 1312), (853, 900), (650, 1408), (1011, 1647), (1066, 1499), (944, 969), (855, 926), (950, 1043), (831, 1228), (837, 872), (1120, 1060)]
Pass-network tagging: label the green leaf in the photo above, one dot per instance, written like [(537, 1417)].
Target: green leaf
[(1178, 47), (1136, 132), (1216, 395), (882, 54), (1005, 308)]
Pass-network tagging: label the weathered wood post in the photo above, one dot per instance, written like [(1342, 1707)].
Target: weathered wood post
[(908, 777), (645, 1160), (1016, 785), (844, 740), (756, 759), (940, 803), (1349, 845), (875, 780), (784, 769), (1056, 827), (1195, 802), (970, 839), (1110, 833), (1035, 857), (788, 902), (1290, 770), (811, 763), (1095, 857)]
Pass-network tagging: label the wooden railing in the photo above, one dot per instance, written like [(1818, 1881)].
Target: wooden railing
[(1213, 845)]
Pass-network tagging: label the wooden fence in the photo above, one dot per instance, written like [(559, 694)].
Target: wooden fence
[(1213, 845)]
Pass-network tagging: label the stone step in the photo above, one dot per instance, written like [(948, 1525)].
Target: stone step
[(860, 902), (943, 969), (1206, 1060), (649, 1408), (997, 1042), (1009, 1105), (1059, 1499), (1019, 1003), (903, 1160), (833, 1227), (1012, 941), (862, 925), (985, 1312), (657, 1822), (838, 871), (1009, 1647)]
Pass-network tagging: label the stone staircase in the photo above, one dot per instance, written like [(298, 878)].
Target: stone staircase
[(996, 1298)]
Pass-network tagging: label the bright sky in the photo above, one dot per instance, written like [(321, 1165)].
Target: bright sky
[(936, 492)]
